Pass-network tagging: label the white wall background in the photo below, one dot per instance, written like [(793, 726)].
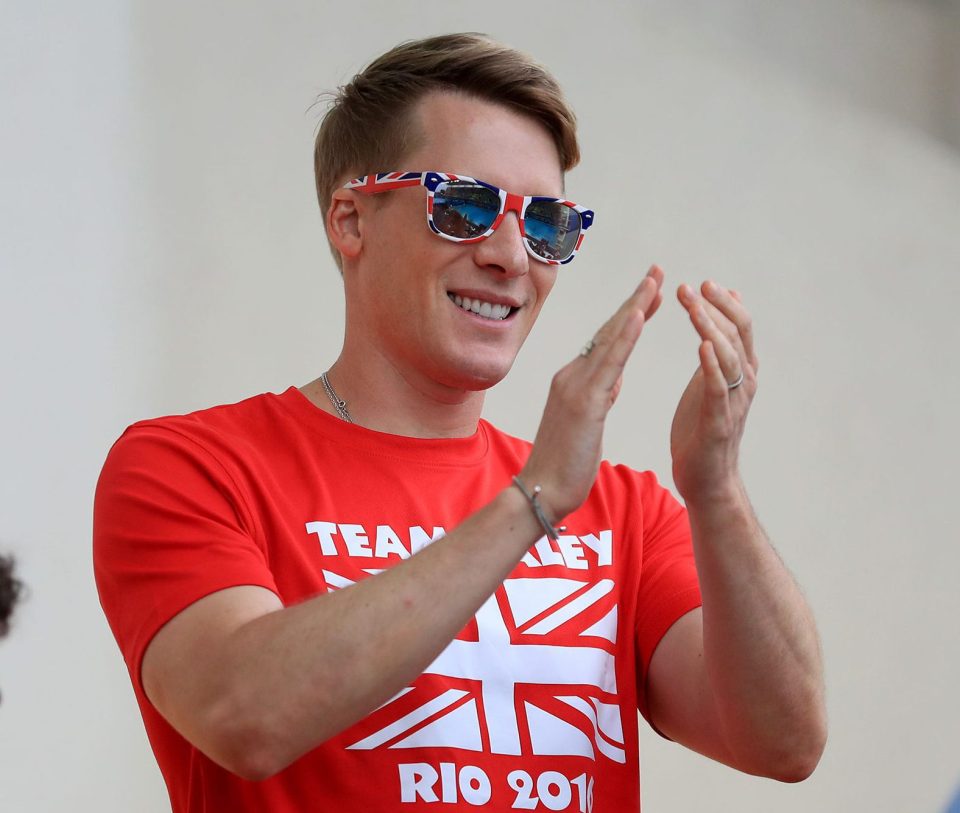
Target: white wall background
[(161, 251)]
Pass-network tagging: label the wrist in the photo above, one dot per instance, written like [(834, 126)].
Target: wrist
[(515, 519), (531, 492), (723, 497)]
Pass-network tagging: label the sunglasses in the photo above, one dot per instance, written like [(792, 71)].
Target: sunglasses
[(466, 210)]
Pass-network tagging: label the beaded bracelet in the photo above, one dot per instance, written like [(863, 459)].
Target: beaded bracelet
[(534, 500)]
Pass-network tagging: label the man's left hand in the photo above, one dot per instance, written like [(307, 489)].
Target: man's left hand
[(709, 422)]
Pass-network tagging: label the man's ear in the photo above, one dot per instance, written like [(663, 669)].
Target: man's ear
[(343, 223)]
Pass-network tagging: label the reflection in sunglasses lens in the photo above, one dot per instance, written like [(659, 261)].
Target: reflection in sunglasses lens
[(467, 210), (464, 210), (552, 229)]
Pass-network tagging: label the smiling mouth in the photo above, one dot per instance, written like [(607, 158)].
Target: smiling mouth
[(487, 310)]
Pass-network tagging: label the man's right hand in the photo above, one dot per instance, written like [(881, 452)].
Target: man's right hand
[(568, 446)]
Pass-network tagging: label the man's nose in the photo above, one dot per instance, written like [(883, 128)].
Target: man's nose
[(503, 250)]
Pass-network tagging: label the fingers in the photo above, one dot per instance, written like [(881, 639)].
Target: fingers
[(715, 380), (614, 342), (656, 274), (607, 371), (655, 306), (708, 325), (646, 299), (731, 306), (720, 317)]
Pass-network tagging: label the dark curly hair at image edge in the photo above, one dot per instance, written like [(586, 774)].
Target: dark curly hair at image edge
[(9, 592)]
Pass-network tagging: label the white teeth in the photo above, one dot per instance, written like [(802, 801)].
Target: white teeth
[(487, 310)]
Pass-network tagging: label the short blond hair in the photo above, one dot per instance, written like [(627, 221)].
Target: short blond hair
[(369, 125)]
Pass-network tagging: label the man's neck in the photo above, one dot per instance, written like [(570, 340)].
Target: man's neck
[(381, 397)]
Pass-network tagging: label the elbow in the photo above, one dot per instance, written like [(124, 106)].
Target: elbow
[(783, 752), (789, 765), (802, 753), (797, 769), (805, 763), (253, 765), (810, 747), (240, 741), (249, 768), (256, 738)]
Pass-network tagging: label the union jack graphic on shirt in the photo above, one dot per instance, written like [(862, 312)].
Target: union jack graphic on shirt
[(533, 674)]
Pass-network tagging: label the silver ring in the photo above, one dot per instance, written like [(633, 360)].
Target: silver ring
[(736, 383), (588, 348)]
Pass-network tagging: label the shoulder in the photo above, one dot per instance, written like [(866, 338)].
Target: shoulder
[(220, 431), (211, 456), (241, 416)]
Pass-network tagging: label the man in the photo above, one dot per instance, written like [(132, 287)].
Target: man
[(358, 592)]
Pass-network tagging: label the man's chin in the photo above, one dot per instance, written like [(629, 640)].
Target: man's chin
[(473, 375)]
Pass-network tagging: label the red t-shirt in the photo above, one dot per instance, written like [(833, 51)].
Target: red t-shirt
[(534, 701)]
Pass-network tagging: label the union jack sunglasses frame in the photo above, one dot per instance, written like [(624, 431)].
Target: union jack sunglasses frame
[(509, 202)]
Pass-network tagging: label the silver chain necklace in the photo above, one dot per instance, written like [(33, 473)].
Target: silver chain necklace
[(338, 403)]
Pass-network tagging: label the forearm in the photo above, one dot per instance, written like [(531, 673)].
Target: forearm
[(761, 650), (300, 675)]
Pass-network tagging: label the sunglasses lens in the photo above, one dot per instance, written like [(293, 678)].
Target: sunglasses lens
[(552, 229), (464, 210)]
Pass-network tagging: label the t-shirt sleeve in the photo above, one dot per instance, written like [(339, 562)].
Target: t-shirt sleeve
[(669, 587), (170, 526)]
